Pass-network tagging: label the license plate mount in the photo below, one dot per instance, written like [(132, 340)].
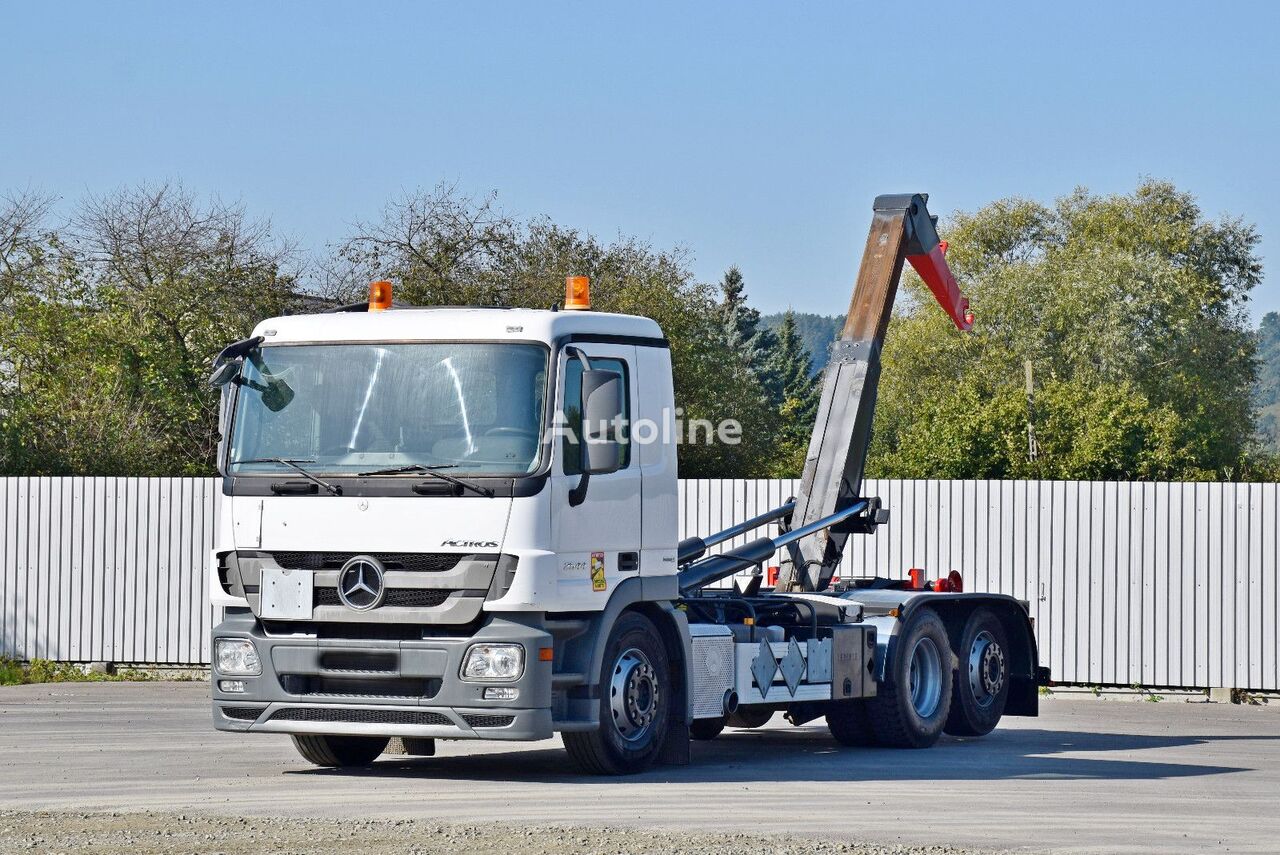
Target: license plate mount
[(286, 594)]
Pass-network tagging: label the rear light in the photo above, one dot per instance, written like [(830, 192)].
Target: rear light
[(917, 578)]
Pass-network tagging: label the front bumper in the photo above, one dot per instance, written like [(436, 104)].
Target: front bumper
[(383, 687)]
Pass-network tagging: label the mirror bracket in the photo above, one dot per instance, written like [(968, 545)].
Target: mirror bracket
[(578, 494)]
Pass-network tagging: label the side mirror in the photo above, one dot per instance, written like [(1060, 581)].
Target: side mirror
[(601, 414), (223, 373)]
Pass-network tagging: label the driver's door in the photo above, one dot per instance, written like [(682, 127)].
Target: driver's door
[(598, 541)]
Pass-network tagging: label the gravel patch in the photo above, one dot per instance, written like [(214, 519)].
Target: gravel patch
[(146, 833)]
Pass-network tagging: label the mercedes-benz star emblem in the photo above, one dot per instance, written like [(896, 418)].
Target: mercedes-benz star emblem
[(360, 584)]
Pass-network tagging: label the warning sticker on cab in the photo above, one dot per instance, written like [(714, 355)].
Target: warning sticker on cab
[(597, 572)]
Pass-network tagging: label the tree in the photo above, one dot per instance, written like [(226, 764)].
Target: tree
[(743, 332), (1132, 310), (816, 331), (798, 404), (1268, 394), (114, 325)]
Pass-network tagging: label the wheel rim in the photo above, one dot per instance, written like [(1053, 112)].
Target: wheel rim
[(926, 677), (633, 695), (986, 669)]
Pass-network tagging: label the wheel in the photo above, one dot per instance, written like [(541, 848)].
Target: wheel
[(982, 676), (850, 724), (340, 750), (750, 717), (912, 704), (706, 728), (635, 702)]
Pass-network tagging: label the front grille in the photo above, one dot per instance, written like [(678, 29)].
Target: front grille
[(488, 720), (347, 716), (404, 598), (431, 562), (243, 713)]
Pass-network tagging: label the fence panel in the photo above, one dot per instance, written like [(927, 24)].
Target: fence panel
[(1152, 584)]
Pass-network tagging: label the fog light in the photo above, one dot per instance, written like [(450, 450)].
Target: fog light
[(501, 693), (236, 657), (493, 662), (231, 686)]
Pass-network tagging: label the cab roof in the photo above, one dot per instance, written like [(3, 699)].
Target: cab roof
[(452, 324)]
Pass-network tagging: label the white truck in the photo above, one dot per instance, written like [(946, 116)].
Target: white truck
[(447, 523)]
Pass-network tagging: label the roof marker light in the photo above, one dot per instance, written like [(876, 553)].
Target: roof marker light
[(577, 293), (379, 296)]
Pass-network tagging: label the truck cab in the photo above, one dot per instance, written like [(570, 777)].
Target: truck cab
[(405, 501)]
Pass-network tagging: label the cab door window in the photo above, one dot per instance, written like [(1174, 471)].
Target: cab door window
[(571, 437)]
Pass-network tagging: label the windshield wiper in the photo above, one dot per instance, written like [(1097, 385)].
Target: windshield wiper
[(332, 489), (433, 471)]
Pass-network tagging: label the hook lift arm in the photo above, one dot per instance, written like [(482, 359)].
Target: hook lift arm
[(816, 524), (901, 230)]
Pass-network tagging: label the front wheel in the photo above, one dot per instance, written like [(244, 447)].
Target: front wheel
[(340, 751), (635, 702), (982, 676)]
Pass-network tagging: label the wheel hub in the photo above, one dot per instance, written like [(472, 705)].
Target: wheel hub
[(987, 671), (633, 694), (926, 677)]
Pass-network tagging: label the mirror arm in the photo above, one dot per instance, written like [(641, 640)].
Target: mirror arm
[(582, 357), (578, 494)]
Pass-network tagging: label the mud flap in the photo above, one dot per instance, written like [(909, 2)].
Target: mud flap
[(675, 748)]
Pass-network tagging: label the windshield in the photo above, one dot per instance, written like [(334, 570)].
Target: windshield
[(348, 408)]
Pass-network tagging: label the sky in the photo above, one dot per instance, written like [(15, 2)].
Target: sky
[(750, 134)]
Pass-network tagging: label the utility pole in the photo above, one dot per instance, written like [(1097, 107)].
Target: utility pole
[(1033, 450)]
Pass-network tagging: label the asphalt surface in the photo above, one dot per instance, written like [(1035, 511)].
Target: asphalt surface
[(1087, 776)]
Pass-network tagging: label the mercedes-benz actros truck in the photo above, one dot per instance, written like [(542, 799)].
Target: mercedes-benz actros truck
[(462, 523)]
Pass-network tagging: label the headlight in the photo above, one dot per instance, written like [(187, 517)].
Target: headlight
[(236, 656), (493, 662)]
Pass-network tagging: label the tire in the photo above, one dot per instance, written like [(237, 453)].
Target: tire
[(850, 724), (340, 751), (635, 703), (912, 705), (750, 718), (981, 679), (706, 728)]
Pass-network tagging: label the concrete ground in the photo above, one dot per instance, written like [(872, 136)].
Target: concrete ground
[(1087, 776)]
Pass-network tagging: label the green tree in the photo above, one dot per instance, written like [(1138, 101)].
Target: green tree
[(1268, 393), (798, 402), (113, 325), (816, 331), (1132, 310), (743, 332)]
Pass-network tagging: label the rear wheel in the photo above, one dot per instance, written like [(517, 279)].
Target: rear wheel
[(982, 676), (912, 704), (635, 703), (340, 751)]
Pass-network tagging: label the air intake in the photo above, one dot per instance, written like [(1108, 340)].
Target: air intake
[(350, 716)]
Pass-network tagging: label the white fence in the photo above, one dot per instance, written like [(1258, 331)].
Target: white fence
[(1151, 584)]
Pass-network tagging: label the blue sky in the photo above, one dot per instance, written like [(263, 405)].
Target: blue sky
[(752, 134)]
